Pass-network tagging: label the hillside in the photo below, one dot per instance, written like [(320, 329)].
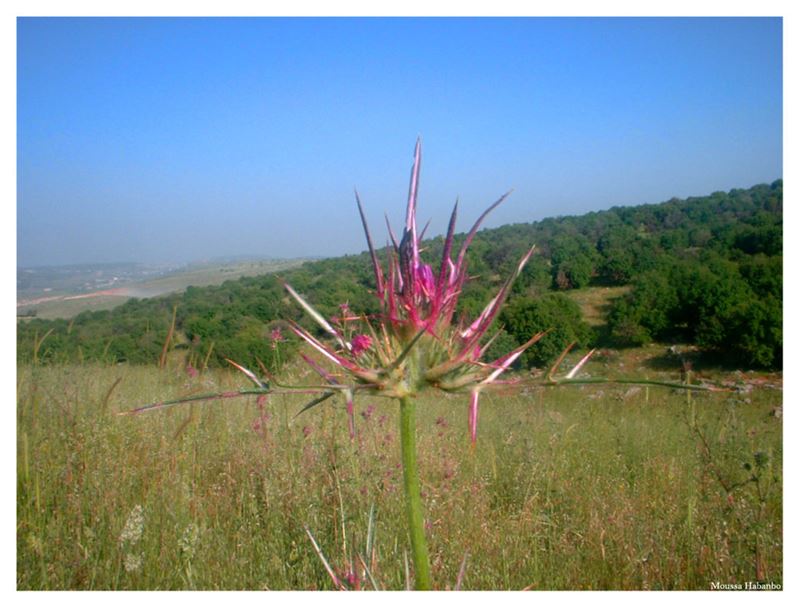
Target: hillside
[(65, 291), (703, 270)]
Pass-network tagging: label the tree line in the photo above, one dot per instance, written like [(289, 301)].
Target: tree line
[(705, 270)]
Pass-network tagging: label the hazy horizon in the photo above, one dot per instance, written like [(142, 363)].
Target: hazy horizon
[(233, 256), (179, 140)]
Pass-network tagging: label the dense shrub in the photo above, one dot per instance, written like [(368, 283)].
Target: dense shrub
[(555, 313)]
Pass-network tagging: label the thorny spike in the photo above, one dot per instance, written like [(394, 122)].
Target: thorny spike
[(424, 230), (375, 264), (559, 360), (319, 369), (503, 363), (361, 373), (575, 369), (314, 402), (409, 244), (471, 234), (488, 315), (204, 397), (315, 315), (411, 208), (447, 264), (253, 378), (392, 235)]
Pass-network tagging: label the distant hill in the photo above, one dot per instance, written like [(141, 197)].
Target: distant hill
[(52, 292), (707, 270)]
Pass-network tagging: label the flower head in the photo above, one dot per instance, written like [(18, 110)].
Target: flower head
[(415, 344), (134, 526), (276, 336), (359, 344)]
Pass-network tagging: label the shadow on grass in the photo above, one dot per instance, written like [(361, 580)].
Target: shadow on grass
[(697, 360)]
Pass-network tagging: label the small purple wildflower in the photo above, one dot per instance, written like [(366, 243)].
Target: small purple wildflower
[(276, 335), (367, 413), (352, 579), (359, 344)]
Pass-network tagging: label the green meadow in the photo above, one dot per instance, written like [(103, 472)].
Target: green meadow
[(593, 487)]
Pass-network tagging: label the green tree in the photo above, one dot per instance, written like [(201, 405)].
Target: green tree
[(556, 313), (573, 261)]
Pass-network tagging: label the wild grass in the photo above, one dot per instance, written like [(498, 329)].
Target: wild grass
[(568, 488)]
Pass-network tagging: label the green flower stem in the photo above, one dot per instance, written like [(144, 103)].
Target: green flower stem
[(416, 522)]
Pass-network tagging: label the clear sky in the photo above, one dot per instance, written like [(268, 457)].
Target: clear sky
[(174, 140)]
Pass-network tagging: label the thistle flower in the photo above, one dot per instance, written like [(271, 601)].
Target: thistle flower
[(359, 344), (415, 344), (412, 345), (276, 335)]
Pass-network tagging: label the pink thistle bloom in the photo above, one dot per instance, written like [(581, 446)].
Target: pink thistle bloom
[(359, 344), (191, 371), (415, 343), (351, 578), (276, 335)]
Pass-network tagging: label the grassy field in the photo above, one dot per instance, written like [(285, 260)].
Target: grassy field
[(569, 488), (596, 301)]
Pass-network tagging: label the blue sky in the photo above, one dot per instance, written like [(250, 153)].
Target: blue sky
[(171, 140)]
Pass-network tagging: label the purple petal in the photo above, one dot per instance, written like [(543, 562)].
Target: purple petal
[(426, 280)]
